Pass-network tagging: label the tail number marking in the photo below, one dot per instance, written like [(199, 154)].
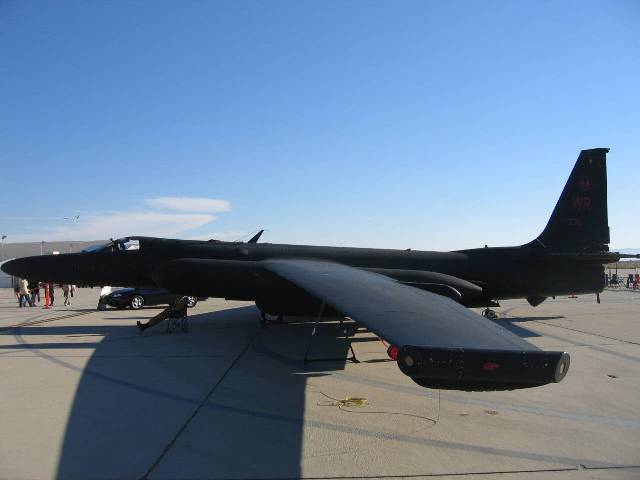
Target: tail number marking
[(581, 203), (570, 222), (585, 184)]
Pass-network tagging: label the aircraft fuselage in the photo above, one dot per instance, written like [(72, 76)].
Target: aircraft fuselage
[(233, 271)]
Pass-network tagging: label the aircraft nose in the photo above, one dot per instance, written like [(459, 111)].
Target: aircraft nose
[(13, 267), (27, 267), (62, 268)]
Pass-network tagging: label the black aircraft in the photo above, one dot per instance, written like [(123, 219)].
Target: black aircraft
[(415, 300)]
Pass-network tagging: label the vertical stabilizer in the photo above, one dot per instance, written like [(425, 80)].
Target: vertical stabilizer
[(579, 222)]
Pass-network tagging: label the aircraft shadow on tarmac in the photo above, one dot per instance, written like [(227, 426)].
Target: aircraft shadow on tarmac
[(225, 400), (138, 392)]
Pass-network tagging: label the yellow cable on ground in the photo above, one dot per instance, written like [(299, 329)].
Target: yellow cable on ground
[(352, 402), (363, 402), (345, 402)]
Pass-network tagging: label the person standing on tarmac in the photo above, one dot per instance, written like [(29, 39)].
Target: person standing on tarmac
[(51, 294), (66, 290), (24, 293), (104, 291), (35, 292)]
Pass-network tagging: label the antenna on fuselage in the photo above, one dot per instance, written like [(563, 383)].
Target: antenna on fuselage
[(253, 239), (256, 237)]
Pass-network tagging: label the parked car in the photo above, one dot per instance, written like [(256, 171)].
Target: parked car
[(136, 298)]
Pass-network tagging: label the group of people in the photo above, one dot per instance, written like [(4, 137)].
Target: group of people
[(28, 292), (632, 280)]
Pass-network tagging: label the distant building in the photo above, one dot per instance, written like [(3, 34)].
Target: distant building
[(6, 281), (28, 249)]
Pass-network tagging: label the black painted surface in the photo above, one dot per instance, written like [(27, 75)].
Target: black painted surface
[(566, 258)]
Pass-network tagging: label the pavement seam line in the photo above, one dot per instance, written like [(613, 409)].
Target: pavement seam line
[(589, 333), (429, 475), (506, 314), (199, 407)]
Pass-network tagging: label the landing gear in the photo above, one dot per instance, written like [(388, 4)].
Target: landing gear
[(490, 314), (192, 301), (313, 334), (268, 319)]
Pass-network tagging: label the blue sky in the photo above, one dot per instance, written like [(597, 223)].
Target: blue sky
[(431, 125)]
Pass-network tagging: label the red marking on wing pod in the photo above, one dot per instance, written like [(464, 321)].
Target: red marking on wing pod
[(490, 366), (581, 203), (392, 351)]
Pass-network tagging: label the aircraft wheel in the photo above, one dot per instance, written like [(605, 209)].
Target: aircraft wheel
[(268, 318), (191, 302), (490, 314), (136, 302)]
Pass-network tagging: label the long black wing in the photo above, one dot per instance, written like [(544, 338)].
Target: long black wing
[(441, 343)]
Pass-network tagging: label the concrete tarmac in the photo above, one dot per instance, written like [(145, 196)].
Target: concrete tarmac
[(84, 394)]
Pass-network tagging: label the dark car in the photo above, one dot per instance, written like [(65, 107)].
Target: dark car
[(138, 297)]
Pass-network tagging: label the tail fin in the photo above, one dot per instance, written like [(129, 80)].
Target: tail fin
[(579, 222)]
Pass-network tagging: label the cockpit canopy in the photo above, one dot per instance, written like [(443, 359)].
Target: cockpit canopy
[(125, 244)]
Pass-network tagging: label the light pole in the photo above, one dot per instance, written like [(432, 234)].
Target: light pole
[(2, 248), (75, 218)]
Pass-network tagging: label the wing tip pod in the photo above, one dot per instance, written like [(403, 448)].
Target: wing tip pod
[(482, 370)]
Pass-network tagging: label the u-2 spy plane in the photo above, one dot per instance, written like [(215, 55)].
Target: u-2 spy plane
[(415, 300)]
